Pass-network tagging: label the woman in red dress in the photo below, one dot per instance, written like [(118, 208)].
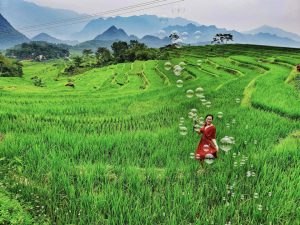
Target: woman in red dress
[(208, 143)]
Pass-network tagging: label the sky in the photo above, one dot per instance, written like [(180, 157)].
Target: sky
[(241, 15)]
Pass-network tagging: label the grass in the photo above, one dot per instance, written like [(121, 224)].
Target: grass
[(11, 212), (105, 153)]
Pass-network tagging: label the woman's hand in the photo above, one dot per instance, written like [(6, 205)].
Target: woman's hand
[(197, 130), (215, 144)]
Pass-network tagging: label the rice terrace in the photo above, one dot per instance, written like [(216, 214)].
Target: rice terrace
[(112, 140)]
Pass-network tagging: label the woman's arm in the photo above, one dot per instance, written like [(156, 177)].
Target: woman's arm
[(200, 130), (215, 144)]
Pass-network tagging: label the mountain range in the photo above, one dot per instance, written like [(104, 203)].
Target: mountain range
[(136, 25), (27, 17), (190, 34), (277, 31), (196, 34), (149, 29), (48, 38), (113, 34)]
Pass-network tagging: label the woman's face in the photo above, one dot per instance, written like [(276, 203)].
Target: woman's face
[(208, 120)]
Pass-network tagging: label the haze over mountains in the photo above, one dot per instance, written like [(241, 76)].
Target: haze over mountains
[(206, 33), (8, 35), (277, 31), (135, 25), (190, 34), (22, 14), (149, 29), (113, 34), (48, 38)]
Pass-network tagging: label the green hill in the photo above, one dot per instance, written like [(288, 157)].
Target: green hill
[(38, 50), (109, 149)]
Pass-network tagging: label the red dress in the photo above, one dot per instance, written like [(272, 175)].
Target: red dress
[(206, 145)]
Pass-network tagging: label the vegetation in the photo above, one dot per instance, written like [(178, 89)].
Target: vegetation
[(38, 51), (37, 81), (109, 151), (103, 56), (11, 212), (220, 38), (10, 68), (121, 52)]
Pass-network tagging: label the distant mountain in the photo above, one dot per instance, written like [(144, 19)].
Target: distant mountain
[(277, 31), (272, 40), (189, 34), (136, 25), (114, 33), (192, 34), (92, 44), (154, 42), (23, 14), (47, 38), (9, 36)]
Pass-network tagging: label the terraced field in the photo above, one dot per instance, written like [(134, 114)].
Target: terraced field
[(109, 150)]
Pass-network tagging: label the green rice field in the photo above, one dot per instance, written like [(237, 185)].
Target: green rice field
[(109, 151)]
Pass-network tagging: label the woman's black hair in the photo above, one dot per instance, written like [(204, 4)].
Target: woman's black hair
[(209, 115)]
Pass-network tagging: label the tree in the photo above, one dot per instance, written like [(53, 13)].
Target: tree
[(228, 37), (77, 61), (87, 52), (173, 37), (103, 56), (34, 49), (135, 45), (87, 55), (9, 67), (119, 48), (1, 65), (219, 38), (134, 48)]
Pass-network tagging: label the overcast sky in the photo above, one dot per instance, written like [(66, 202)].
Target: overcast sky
[(241, 15)]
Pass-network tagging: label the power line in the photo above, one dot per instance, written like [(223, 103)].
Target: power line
[(126, 12), (108, 12), (84, 18)]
